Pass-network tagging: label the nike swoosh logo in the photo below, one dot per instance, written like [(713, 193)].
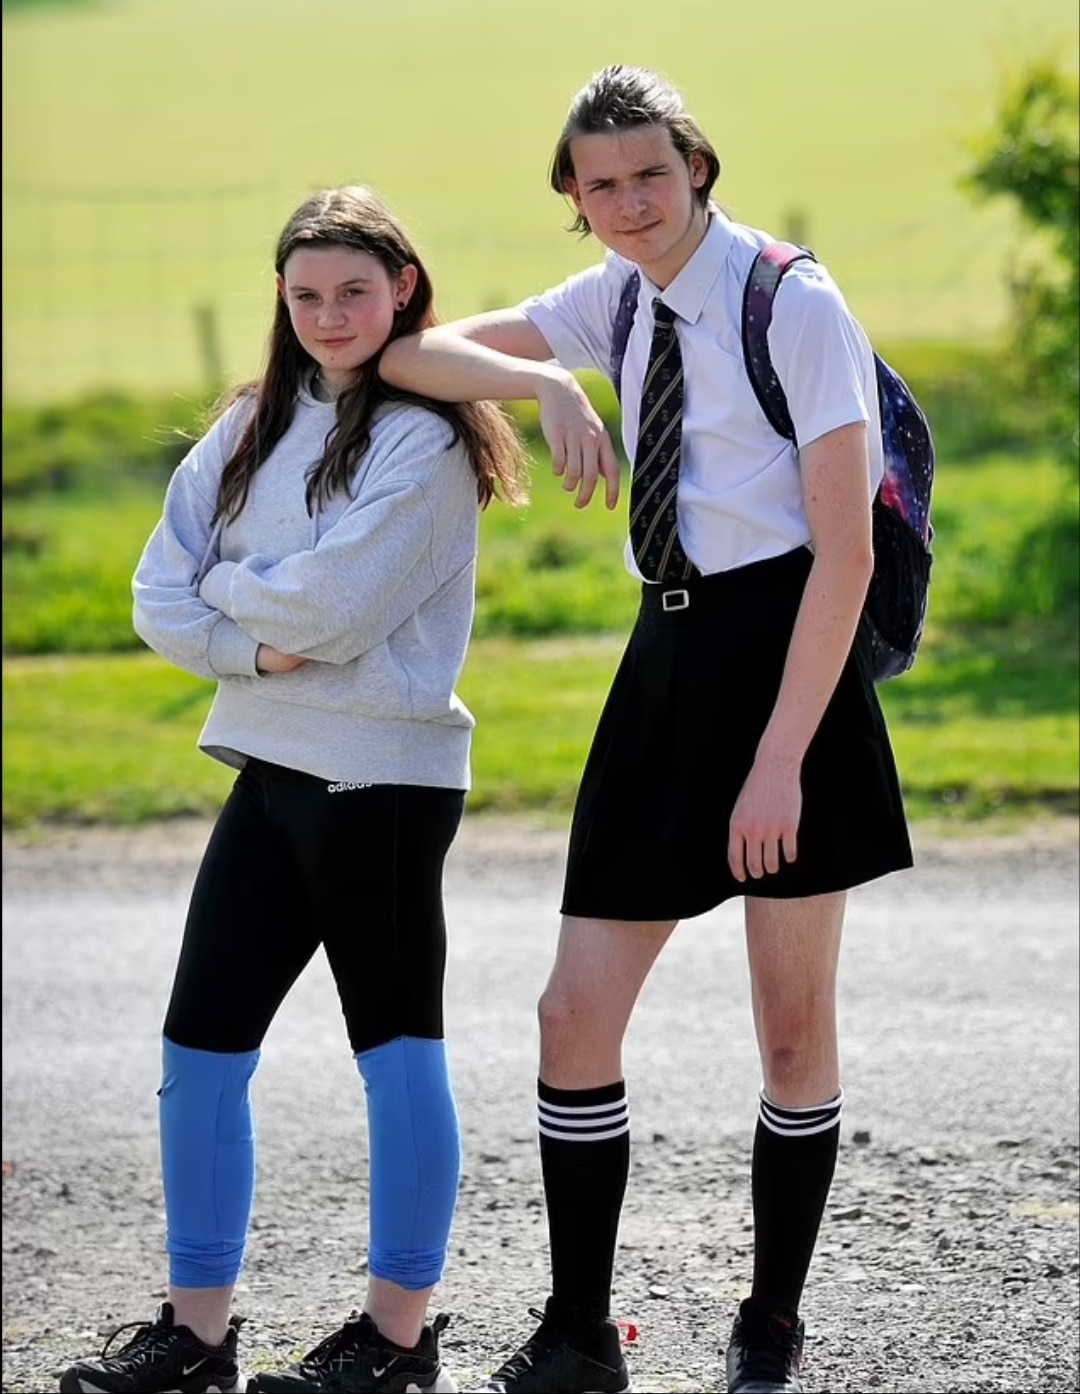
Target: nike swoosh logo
[(378, 1374), (190, 1369)]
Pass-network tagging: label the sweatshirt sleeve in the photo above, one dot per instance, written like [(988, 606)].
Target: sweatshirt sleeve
[(411, 527), (168, 614)]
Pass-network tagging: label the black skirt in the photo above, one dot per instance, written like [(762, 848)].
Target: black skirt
[(676, 740)]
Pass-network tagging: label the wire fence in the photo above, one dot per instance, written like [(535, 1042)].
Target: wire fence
[(142, 291), (154, 290)]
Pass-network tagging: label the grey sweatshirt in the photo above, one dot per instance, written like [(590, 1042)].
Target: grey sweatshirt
[(377, 589)]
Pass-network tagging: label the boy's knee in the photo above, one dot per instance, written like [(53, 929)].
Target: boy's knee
[(560, 1012)]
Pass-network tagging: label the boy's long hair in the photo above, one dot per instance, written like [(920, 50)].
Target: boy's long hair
[(353, 216), (617, 99)]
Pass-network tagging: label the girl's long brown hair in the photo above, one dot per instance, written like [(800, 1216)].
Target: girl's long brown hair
[(353, 216)]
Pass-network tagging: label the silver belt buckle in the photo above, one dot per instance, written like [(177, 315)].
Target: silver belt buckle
[(675, 600)]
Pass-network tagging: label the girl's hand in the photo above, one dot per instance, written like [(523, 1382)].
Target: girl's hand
[(271, 660), (581, 450)]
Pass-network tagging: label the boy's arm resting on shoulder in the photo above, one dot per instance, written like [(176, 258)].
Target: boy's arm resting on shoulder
[(502, 356), (836, 494), (494, 355)]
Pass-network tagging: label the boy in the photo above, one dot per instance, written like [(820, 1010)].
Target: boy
[(741, 750)]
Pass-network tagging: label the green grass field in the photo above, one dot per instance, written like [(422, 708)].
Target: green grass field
[(986, 721), (153, 149)]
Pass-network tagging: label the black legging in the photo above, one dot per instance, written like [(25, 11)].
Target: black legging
[(294, 862)]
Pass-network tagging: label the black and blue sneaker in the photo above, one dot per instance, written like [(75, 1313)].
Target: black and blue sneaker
[(160, 1358), (358, 1359)]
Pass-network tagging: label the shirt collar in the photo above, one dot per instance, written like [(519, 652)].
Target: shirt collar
[(690, 289)]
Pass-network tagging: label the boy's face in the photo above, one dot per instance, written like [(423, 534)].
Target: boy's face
[(637, 193)]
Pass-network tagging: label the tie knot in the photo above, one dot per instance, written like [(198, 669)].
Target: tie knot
[(663, 315)]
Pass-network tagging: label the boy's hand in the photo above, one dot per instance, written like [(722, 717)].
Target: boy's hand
[(581, 450), (763, 833)]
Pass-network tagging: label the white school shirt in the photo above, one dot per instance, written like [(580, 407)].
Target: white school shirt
[(740, 496)]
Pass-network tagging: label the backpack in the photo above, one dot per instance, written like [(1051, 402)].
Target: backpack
[(896, 599)]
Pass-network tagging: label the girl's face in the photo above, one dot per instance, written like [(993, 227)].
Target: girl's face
[(637, 193), (341, 303)]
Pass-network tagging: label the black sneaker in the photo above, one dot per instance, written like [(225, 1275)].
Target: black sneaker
[(359, 1359), (160, 1357), (552, 1360), (765, 1351)]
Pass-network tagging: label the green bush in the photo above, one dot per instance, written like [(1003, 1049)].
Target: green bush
[(1032, 158), (91, 443), (971, 400), (1006, 531)]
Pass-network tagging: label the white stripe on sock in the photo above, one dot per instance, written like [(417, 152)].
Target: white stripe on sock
[(584, 1122), (800, 1122), (578, 1109), (586, 1137)]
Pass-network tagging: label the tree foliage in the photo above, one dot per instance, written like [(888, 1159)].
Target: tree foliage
[(1033, 157)]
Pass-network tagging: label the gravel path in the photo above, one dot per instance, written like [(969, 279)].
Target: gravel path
[(949, 1256)]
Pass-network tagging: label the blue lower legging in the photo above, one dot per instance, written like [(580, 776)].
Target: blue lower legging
[(295, 863)]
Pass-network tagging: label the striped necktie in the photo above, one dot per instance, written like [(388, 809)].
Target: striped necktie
[(654, 523)]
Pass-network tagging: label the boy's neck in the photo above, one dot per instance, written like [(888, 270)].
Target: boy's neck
[(661, 273)]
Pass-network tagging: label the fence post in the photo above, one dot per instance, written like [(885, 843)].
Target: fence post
[(209, 336), (796, 227)]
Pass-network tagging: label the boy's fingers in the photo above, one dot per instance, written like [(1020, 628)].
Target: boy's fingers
[(609, 468)]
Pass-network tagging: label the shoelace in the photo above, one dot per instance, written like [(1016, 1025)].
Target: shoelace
[(156, 1333), (522, 1360), (332, 1350)]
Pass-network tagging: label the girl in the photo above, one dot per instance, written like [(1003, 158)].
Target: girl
[(316, 557)]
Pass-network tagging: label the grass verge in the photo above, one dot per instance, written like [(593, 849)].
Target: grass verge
[(985, 725)]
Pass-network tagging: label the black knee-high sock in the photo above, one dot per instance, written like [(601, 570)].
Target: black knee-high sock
[(585, 1158), (794, 1160)]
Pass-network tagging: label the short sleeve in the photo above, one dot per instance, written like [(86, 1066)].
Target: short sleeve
[(821, 354), (576, 318)]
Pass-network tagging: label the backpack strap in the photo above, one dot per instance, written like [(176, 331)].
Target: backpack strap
[(620, 330), (758, 295)]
